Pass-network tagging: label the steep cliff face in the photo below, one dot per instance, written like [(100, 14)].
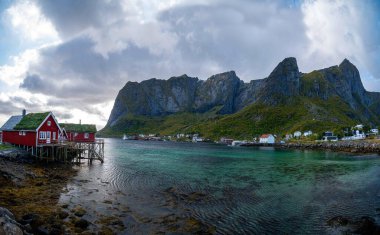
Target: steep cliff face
[(155, 97), (225, 93), (219, 90)]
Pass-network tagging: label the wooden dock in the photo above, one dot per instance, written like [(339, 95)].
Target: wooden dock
[(69, 151)]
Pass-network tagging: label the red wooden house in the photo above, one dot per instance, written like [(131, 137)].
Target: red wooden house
[(33, 129), (78, 132)]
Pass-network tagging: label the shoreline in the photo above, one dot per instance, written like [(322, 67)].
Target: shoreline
[(30, 192), (30, 203), (339, 146)]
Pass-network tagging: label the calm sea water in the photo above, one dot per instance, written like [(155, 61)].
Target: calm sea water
[(244, 190)]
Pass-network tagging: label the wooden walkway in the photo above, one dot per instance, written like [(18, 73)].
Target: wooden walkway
[(69, 151)]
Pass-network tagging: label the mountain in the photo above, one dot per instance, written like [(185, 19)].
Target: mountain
[(224, 105)]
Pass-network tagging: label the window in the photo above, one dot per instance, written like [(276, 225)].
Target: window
[(42, 135), (49, 123), (23, 133), (86, 135), (54, 135), (75, 134)]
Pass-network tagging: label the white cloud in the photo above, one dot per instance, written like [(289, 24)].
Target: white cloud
[(26, 18), (337, 30), (15, 73)]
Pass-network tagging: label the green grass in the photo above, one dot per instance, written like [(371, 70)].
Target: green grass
[(5, 147), (314, 82), (164, 125), (80, 128), (31, 121)]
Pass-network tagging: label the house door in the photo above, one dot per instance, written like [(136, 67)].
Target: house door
[(54, 136), (48, 136)]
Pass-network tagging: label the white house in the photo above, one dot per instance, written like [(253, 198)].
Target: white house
[(297, 134), (197, 139), (307, 133), (288, 136), (358, 135), (267, 139), (375, 131), (359, 126), (329, 136)]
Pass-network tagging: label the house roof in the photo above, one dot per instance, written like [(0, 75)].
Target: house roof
[(265, 135), (11, 123), (80, 128), (31, 121)]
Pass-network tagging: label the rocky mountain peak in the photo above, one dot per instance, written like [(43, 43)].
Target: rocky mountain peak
[(346, 63), (351, 76), (288, 65), (230, 75), (285, 78)]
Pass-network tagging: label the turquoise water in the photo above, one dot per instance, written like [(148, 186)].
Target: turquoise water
[(243, 190)]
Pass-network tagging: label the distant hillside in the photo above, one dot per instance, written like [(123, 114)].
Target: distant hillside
[(223, 105)]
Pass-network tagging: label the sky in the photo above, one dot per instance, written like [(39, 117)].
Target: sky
[(73, 56)]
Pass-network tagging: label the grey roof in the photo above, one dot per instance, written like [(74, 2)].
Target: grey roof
[(11, 123)]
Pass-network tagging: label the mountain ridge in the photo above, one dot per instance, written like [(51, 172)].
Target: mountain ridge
[(226, 94)]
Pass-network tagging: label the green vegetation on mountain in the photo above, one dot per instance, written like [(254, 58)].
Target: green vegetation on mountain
[(301, 114), (224, 106)]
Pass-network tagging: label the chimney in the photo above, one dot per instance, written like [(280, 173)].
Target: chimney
[(23, 112)]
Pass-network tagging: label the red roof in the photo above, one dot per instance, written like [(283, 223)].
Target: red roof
[(265, 136)]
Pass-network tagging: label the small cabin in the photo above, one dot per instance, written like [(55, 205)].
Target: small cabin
[(307, 133), (31, 129), (78, 132), (297, 134), (267, 139), (329, 136)]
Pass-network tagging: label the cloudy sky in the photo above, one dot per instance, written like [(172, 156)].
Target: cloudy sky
[(73, 56)]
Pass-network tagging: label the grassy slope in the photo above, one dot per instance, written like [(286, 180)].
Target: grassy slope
[(301, 114)]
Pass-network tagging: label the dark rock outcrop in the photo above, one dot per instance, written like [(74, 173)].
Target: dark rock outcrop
[(283, 82), (8, 224)]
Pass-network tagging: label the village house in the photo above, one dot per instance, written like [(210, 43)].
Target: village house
[(297, 134), (374, 131), (78, 132), (267, 139), (226, 140), (307, 133), (329, 136), (31, 129), (359, 127), (288, 136)]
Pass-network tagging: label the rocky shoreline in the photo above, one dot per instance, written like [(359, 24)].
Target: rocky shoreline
[(29, 194), (30, 203), (340, 146)]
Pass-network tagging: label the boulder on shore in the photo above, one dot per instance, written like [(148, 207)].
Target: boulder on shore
[(8, 224)]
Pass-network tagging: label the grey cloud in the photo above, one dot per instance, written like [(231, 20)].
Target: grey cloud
[(8, 108), (250, 37), (70, 17), (63, 115), (34, 83), (16, 103)]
